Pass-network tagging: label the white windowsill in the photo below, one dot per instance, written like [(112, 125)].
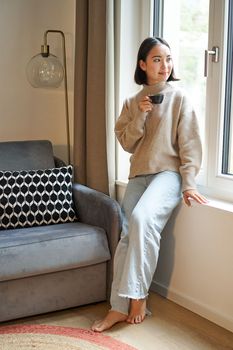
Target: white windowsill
[(212, 202)]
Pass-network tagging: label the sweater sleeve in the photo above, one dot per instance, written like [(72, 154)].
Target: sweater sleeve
[(129, 128), (190, 149)]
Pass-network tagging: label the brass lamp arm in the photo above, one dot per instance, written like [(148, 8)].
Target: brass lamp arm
[(45, 53)]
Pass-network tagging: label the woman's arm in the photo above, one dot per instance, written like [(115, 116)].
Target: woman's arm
[(130, 126), (189, 142), (190, 151)]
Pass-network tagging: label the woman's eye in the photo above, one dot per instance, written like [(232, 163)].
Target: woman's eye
[(156, 60), (169, 59)]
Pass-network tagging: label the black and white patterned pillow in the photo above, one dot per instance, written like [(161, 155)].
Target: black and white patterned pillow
[(36, 197)]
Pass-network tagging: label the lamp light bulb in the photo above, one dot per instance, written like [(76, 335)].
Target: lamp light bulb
[(45, 71)]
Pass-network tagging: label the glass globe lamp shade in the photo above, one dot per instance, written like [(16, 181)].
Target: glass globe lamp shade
[(45, 71)]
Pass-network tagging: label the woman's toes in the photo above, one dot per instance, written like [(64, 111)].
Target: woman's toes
[(137, 311), (112, 318), (130, 320)]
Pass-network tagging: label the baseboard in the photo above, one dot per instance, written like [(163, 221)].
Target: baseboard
[(193, 305)]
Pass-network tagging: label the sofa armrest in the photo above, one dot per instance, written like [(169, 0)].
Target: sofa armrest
[(98, 209)]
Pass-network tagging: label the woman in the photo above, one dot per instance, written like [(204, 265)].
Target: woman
[(158, 126)]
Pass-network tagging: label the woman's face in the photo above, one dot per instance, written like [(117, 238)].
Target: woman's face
[(158, 64)]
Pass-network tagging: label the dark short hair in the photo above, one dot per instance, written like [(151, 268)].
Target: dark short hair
[(144, 49)]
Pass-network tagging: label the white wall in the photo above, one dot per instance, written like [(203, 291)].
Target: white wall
[(195, 267), (27, 113)]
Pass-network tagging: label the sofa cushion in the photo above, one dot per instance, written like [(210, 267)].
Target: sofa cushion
[(36, 197), (45, 249), (26, 155)]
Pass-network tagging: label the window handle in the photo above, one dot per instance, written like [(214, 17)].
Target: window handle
[(215, 58)]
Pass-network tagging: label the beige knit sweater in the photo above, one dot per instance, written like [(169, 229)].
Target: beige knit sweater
[(167, 138)]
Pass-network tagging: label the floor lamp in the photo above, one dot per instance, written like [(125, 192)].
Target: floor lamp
[(45, 70)]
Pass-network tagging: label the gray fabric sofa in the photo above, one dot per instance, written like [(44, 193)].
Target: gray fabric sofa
[(53, 267)]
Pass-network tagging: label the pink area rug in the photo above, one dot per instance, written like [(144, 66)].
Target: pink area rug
[(42, 337)]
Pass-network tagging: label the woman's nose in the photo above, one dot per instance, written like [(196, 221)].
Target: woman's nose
[(164, 64)]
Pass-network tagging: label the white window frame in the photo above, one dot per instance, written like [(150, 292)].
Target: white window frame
[(215, 183)]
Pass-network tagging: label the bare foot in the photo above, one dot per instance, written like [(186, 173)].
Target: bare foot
[(112, 318), (137, 311)]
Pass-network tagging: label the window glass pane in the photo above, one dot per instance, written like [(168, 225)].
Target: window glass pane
[(185, 27)]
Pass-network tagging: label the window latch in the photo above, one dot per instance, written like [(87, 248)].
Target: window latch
[(215, 58)]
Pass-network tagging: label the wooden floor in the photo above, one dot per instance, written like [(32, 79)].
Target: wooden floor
[(170, 327)]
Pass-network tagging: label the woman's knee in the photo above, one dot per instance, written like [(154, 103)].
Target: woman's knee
[(140, 222), (146, 221)]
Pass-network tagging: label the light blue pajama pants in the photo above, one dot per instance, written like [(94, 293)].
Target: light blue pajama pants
[(148, 203)]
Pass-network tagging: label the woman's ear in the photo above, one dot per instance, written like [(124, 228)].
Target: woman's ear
[(142, 65)]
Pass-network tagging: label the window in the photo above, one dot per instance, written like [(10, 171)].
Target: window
[(191, 27)]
